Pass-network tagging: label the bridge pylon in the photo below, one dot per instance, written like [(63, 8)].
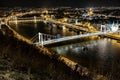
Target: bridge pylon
[(103, 28), (76, 21), (40, 39)]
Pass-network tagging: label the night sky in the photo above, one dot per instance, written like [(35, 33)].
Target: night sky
[(59, 3)]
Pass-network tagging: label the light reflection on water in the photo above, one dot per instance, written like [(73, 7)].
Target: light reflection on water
[(101, 54), (30, 29)]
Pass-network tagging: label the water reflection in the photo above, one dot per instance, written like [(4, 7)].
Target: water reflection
[(29, 29), (101, 55)]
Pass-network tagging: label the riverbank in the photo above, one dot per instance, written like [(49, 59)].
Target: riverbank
[(113, 36), (28, 59)]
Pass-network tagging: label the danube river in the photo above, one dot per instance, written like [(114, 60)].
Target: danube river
[(99, 56)]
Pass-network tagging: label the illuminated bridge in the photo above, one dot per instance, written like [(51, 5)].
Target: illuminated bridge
[(35, 19), (45, 39)]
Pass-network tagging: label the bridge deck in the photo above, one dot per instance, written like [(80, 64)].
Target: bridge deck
[(71, 38)]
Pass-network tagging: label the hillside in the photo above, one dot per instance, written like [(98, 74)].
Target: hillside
[(23, 61)]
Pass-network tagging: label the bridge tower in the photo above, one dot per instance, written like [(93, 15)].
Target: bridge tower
[(103, 28), (76, 21), (40, 39)]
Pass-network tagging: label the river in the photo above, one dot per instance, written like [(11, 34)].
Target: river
[(99, 56)]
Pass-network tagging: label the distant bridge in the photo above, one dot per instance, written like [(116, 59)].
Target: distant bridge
[(35, 19)]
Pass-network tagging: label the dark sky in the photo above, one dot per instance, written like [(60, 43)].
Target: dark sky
[(58, 3)]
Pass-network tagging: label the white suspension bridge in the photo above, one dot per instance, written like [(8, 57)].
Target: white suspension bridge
[(42, 39)]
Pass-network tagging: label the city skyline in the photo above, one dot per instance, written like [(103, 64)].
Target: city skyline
[(60, 3)]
